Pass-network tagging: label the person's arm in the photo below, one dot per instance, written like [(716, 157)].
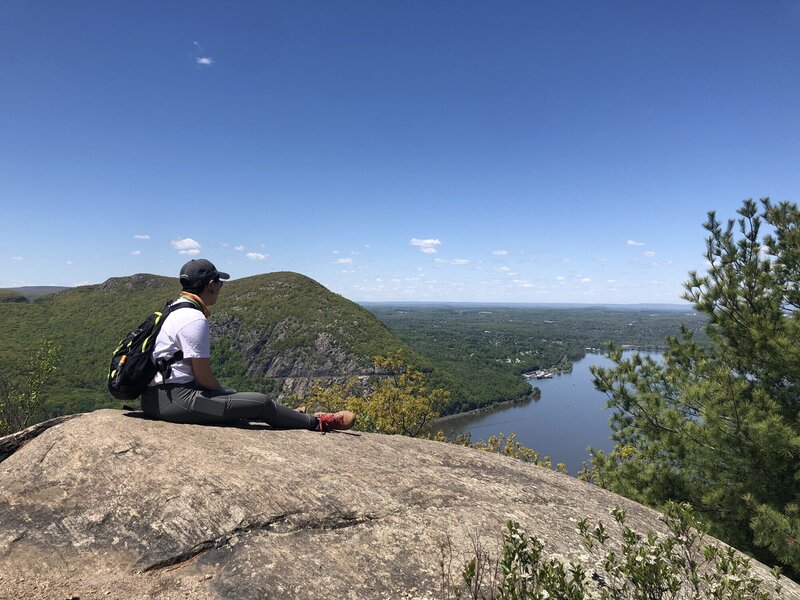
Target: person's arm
[(203, 375)]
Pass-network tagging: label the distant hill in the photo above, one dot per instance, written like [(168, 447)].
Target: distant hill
[(686, 307), (33, 291), (276, 333), (12, 296)]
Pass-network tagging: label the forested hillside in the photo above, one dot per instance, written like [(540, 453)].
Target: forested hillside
[(481, 351), (274, 333)]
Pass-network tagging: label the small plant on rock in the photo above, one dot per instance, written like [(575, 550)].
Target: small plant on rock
[(630, 565)]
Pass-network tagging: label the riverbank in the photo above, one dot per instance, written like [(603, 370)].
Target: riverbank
[(532, 397), (563, 367), (571, 416)]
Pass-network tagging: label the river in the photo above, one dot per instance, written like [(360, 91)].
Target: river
[(569, 417)]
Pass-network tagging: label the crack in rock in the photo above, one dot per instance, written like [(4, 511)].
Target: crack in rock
[(274, 524), (11, 443), (46, 452)]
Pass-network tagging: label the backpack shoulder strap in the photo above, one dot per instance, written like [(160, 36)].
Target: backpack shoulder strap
[(163, 364), (182, 304)]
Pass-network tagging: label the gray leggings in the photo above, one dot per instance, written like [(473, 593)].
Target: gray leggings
[(189, 403)]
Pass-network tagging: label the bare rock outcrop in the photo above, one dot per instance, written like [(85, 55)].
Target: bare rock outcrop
[(111, 505)]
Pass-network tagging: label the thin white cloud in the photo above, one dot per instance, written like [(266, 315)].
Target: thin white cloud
[(650, 253), (141, 237), (561, 279), (239, 248), (508, 271), (586, 280), (634, 243), (426, 246), (612, 281), (186, 246), (16, 258), (206, 61), (455, 261), (344, 261), (256, 256), (500, 252), (136, 252)]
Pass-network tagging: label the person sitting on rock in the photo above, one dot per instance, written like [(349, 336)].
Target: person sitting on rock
[(191, 393)]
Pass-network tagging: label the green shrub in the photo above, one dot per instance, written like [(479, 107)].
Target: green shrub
[(678, 565)]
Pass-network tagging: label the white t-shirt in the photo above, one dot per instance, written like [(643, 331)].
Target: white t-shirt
[(185, 329)]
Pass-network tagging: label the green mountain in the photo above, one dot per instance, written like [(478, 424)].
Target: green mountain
[(277, 333)]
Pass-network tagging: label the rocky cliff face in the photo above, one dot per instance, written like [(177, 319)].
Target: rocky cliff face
[(273, 352), (110, 505)]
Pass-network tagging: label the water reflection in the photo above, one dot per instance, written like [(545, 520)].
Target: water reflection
[(569, 417)]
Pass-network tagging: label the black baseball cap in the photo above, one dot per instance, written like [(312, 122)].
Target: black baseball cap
[(198, 272)]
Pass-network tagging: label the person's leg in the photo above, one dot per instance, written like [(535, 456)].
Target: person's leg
[(189, 404), (254, 406)]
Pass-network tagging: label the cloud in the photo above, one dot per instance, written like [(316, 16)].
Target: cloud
[(239, 248), (186, 246), (426, 246), (634, 243), (650, 253), (508, 271), (500, 252), (344, 261), (206, 61), (16, 258), (256, 256), (455, 261), (561, 279), (136, 252), (141, 237), (586, 280)]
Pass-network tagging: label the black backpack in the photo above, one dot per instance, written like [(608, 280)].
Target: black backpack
[(132, 367)]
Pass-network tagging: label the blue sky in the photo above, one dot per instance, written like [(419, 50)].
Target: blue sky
[(563, 151)]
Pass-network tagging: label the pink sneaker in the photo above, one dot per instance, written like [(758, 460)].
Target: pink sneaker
[(343, 419)]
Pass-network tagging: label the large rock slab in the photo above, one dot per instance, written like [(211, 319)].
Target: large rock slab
[(111, 505)]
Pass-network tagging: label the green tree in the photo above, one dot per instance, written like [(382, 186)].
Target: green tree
[(21, 393), (718, 426), (396, 402)]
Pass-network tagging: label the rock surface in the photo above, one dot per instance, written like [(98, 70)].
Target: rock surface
[(111, 505)]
